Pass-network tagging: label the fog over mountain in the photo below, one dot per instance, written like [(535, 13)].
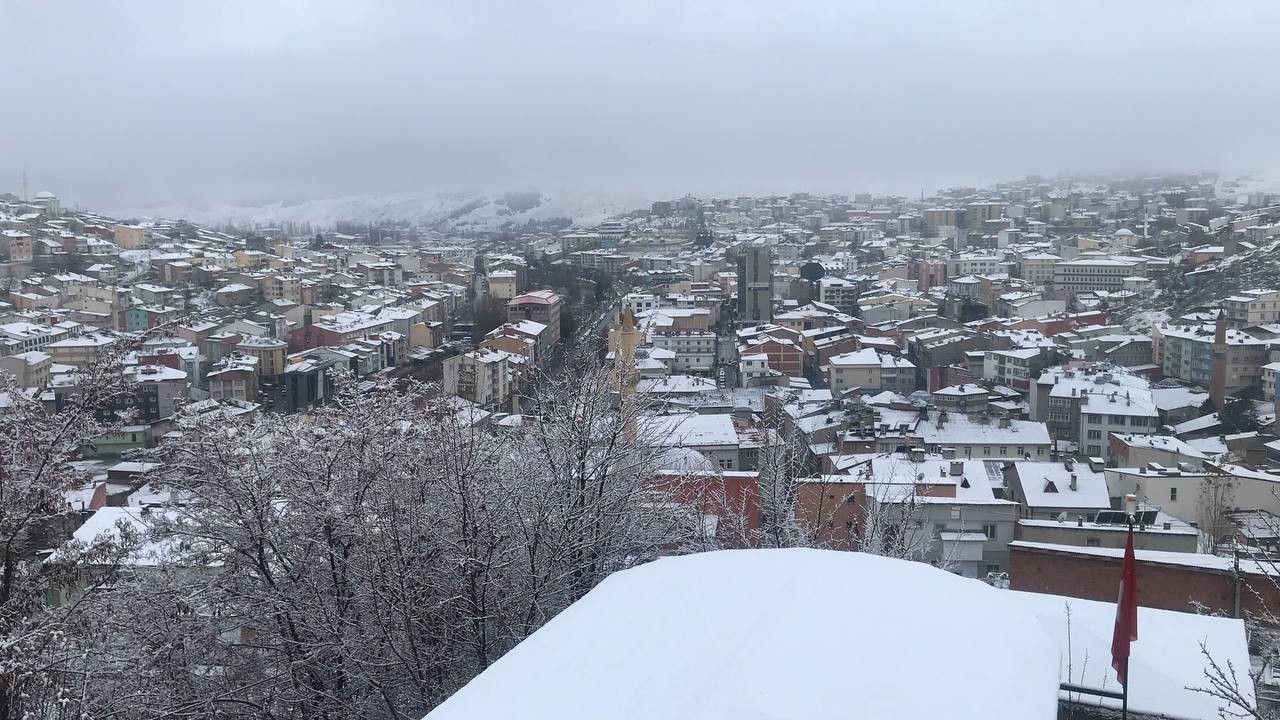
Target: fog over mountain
[(134, 105)]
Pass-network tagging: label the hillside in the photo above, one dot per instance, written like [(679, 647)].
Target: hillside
[(1242, 270), (460, 211)]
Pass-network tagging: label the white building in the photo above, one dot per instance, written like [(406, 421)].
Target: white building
[(21, 337), (694, 350), (1252, 307), (481, 376), (972, 264), (1127, 412), (751, 368), (640, 302), (1088, 274)]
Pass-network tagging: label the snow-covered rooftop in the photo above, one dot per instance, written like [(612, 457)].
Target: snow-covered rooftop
[(1048, 485), (689, 430), (733, 634), (959, 429)]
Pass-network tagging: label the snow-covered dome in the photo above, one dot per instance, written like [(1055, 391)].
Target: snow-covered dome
[(45, 195), (1124, 232), (683, 461)]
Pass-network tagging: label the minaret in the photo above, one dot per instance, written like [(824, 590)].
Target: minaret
[(1218, 367), (479, 280), (628, 341)]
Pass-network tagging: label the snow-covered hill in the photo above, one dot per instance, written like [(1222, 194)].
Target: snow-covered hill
[(474, 211)]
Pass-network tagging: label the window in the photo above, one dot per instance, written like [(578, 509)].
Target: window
[(1095, 419), (993, 567), (726, 464), (1094, 450), (1095, 434), (1173, 494), (1092, 542), (989, 531), (986, 449)]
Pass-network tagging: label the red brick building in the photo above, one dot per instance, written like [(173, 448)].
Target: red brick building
[(337, 330), (1166, 580), (731, 497), (784, 355)]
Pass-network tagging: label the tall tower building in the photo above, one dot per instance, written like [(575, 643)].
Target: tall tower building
[(755, 284), (1218, 366), (628, 339), (479, 280)]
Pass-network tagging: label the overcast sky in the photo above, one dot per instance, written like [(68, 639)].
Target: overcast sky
[(123, 104)]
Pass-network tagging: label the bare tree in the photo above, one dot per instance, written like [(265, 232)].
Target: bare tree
[(1215, 499), (37, 445), (781, 461), (367, 559)]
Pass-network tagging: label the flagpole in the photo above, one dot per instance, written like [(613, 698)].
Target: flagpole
[(1124, 700)]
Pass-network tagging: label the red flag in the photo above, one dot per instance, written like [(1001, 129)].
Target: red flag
[(1126, 629)]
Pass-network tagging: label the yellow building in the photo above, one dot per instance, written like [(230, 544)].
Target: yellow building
[(129, 237), (250, 259), (79, 351), (270, 353)]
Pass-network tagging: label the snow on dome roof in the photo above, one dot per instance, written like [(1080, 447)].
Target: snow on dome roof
[(738, 634), (45, 195), (683, 460)]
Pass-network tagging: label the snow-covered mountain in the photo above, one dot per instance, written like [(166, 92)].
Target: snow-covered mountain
[(471, 211)]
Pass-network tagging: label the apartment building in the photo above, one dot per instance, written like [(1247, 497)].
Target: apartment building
[(157, 391), (1129, 412), (482, 376), (871, 371), (236, 381), (755, 283), (541, 306), (1186, 353), (640, 302), (937, 218), (694, 350), (80, 351), (1089, 274), (20, 337), (339, 329), (1015, 368), (858, 369), (1059, 393), (30, 369), (1252, 307), (1037, 268), (504, 284), (269, 352), (972, 264)]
